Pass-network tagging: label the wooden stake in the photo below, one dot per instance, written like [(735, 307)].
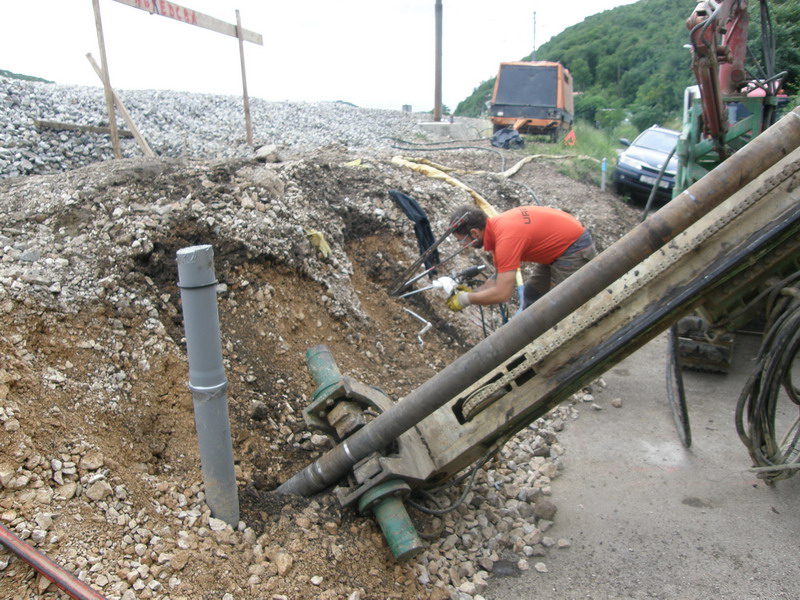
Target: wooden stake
[(112, 119), (123, 111), (247, 121)]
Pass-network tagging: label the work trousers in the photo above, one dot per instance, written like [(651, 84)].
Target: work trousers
[(546, 277)]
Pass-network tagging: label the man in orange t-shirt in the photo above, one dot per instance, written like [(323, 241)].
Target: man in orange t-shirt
[(555, 241)]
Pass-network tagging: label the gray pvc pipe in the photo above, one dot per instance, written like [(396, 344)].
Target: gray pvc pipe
[(198, 283)]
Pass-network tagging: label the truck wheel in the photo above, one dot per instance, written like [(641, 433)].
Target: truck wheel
[(555, 134)]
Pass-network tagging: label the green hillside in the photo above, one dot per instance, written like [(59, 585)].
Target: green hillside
[(631, 60), (12, 75)]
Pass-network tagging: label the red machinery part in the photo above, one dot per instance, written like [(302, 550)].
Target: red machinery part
[(719, 45), (73, 586)]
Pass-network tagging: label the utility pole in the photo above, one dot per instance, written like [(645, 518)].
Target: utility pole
[(533, 54), (437, 94)]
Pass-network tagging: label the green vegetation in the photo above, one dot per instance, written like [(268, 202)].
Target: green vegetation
[(630, 64), (592, 145), (12, 75)]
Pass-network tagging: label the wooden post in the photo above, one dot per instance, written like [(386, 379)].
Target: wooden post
[(124, 112), (112, 119), (248, 124), (170, 10)]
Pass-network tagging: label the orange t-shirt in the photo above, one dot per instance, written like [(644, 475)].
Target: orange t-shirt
[(535, 234)]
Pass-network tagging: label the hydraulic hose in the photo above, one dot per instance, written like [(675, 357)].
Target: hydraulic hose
[(73, 586)]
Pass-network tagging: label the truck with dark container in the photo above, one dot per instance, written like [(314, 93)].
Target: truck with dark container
[(532, 98)]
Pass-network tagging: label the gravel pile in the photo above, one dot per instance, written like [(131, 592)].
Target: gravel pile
[(501, 528), (176, 124)]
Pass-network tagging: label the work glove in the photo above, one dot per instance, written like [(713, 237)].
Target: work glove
[(458, 301)]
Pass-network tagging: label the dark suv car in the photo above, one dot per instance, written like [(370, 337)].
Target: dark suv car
[(639, 164)]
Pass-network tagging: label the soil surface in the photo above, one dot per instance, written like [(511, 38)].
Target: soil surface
[(99, 459)]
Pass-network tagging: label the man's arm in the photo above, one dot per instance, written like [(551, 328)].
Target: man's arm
[(495, 291)]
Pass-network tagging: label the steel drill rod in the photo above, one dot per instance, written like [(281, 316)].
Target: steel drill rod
[(398, 285), (435, 267), (642, 241)]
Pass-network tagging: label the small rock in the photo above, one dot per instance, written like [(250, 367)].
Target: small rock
[(7, 473), (91, 461), (283, 562), (42, 584), (179, 560), (99, 490), (215, 524), (258, 411), (468, 587), (544, 509), (68, 490)]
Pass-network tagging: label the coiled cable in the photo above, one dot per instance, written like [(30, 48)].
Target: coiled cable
[(760, 409)]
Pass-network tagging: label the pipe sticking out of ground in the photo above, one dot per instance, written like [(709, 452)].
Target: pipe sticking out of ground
[(198, 284)]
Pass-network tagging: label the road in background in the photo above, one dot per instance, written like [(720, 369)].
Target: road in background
[(647, 518)]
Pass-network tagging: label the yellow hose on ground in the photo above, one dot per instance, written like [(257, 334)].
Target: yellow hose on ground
[(431, 171)]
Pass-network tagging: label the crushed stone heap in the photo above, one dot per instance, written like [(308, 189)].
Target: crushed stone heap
[(178, 124)]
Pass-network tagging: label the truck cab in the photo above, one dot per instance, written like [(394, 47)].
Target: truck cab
[(533, 98)]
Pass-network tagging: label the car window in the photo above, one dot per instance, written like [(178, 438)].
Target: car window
[(656, 140)]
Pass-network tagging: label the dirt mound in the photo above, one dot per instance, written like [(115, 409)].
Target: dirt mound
[(99, 463)]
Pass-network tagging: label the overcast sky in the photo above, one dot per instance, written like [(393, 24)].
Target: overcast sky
[(373, 53)]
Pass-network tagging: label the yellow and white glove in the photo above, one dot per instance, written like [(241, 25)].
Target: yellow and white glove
[(458, 301)]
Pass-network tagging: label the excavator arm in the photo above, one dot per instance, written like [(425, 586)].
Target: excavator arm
[(729, 106), (718, 37)]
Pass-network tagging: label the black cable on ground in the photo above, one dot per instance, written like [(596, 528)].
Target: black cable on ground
[(452, 507), (529, 190), (470, 475), (442, 143), (758, 407)]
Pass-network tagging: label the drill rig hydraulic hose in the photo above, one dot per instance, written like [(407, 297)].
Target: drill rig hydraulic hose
[(741, 168)]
